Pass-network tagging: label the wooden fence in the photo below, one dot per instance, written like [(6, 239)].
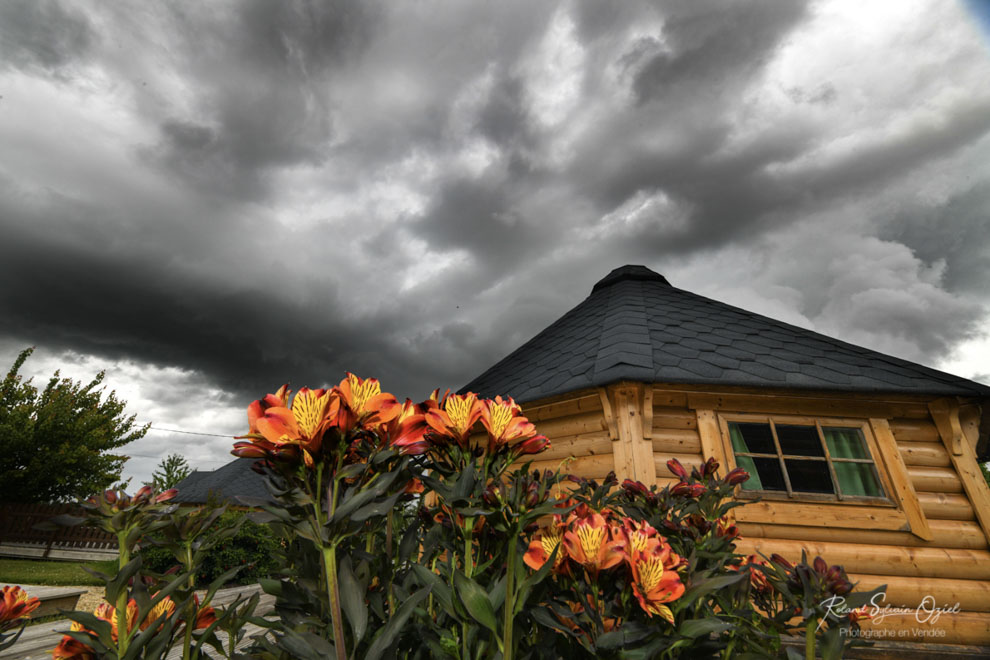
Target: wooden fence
[(17, 526)]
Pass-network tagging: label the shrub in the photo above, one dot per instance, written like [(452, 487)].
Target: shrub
[(255, 547)]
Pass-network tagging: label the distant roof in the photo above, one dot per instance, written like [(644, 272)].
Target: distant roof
[(227, 483), (635, 326)]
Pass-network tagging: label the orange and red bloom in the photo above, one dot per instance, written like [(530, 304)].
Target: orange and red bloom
[(15, 607)]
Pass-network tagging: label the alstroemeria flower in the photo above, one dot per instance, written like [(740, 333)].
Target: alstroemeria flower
[(757, 578), (544, 542), (408, 430), (303, 426), (505, 424), (257, 408), (455, 416), (637, 536), (15, 606), (72, 649), (365, 403), (655, 580), (588, 541)]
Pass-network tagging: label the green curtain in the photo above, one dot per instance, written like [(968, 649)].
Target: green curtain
[(745, 462), (854, 478)]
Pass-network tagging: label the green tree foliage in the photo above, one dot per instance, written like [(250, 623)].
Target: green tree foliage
[(55, 442), (172, 469)]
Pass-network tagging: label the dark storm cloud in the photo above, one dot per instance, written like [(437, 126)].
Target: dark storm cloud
[(43, 35), (411, 190)]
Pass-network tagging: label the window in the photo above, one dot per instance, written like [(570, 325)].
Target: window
[(806, 459)]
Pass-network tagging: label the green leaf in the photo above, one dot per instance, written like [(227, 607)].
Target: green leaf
[(352, 599), (705, 586), (439, 587), (376, 509), (391, 630), (694, 628), (120, 581), (271, 587), (475, 601)]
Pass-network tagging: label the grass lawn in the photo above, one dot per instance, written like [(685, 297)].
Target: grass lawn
[(55, 573)]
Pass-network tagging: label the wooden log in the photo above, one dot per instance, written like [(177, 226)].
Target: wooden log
[(914, 430), (589, 467), (925, 454), (539, 412), (832, 515), (573, 425), (935, 479), (674, 418), (880, 560), (629, 423), (816, 406), (972, 595), (687, 460), (669, 398), (962, 452), (958, 628), (945, 534), (946, 506), (594, 443), (676, 441)]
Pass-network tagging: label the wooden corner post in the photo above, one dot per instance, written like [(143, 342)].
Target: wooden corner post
[(623, 405), (960, 440)]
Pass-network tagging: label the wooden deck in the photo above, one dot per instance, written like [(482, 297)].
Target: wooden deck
[(38, 641)]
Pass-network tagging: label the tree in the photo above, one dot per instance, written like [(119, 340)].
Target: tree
[(172, 469), (55, 443)]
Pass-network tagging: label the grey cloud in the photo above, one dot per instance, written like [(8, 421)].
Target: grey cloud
[(44, 35)]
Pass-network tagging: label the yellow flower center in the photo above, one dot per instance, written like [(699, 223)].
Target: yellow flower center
[(459, 411), (501, 415), (637, 540), (362, 392), (591, 540), (650, 573), (308, 409), (550, 539)]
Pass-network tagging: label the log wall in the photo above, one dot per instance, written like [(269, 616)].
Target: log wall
[(935, 544)]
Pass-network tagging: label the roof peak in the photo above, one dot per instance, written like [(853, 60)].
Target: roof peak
[(630, 272)]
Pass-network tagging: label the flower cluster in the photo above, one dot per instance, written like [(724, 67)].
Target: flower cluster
[(313, 423), (15, 607), (599, 541), (71, 648)]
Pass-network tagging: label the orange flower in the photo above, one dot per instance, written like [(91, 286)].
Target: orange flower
[(408, 429), (364, 402), (757, 579), (637, 536), (15, 606), (257, 409), (301, 427), (454, 416), (504, 423), (655, 580), (588, 541), (72, 649), (544, 542)]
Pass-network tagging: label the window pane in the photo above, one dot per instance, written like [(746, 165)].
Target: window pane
[(799, 440), (754, 438), (858, 479), (765, 474), (845, 443), (809, 476)]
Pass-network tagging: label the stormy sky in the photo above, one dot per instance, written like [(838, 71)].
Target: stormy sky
[(210, 199)]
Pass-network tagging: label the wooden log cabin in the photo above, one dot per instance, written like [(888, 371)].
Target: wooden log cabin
[(865, 459)]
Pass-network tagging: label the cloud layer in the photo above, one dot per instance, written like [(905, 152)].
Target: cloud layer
[(220, 198)]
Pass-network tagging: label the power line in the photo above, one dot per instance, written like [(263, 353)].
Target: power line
[(215, 435)]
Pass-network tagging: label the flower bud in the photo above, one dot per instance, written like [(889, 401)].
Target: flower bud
[(821, 567), (697, 490), (676, 468), (533, 445), (780, 561), (142, 494), (736, 476), (709, 468), (681, 488), (167, 495), (634, 488), (110, 496)]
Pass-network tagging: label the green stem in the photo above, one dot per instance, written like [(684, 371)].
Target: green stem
[(508, 648), (333, 591), (123, 638), (388, 555), (468, 571), (190, 605), (809, 638)]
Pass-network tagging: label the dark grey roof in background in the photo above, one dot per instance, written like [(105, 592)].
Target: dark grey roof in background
[(233, 480), (636, 326)]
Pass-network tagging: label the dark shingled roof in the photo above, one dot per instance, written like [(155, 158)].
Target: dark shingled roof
[(636, 326), (233, 480)]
